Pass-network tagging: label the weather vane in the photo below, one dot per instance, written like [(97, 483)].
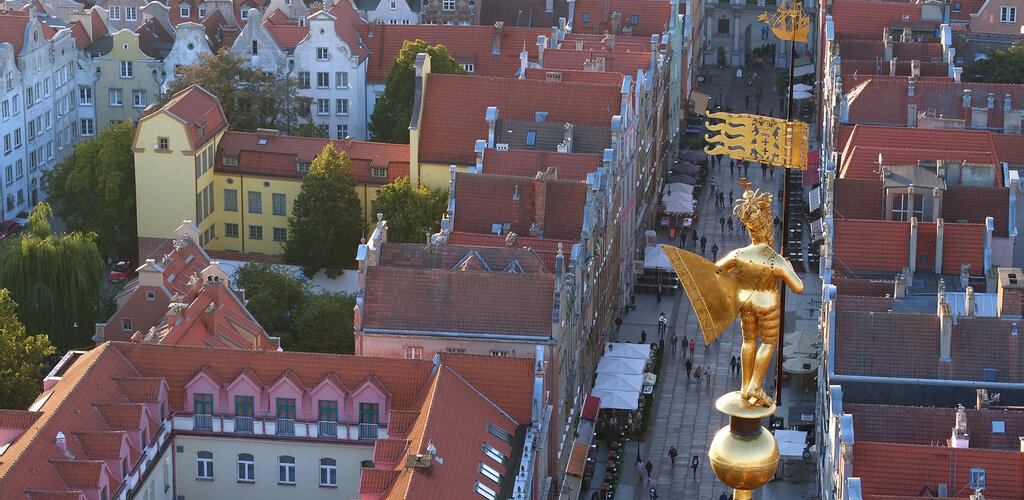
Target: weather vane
[(788, 22)]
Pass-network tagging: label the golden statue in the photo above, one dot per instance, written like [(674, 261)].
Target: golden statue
[(745, 282)]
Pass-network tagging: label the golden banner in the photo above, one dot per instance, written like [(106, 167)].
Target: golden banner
[(788, 22), (763, 139)]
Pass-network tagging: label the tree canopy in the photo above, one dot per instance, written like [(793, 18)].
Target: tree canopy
[(21, 358), (251, 99), (56, 280), (272, 292), (1000, 66), (94, 190), (326, 221), (393, 111), (411, 212)]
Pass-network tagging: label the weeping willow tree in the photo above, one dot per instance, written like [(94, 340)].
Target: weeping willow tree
[(56, 280)]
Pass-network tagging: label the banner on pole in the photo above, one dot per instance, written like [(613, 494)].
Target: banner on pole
[(788, 22), (773, 141)]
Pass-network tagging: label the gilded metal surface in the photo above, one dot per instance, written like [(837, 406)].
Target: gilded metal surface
[(744, 462), (788, 22), (744, 281), (773, 141)]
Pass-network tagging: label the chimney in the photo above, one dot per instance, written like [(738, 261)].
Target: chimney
[(609, 42), (479, 148), (911, 112), (887, 48), (901, 287), (62, 444), (567, 137), (960, 437), (945, 332), (990, 225), (991, 100), (562, 25), (542, 42), (915, 68), (510, 239), (967, 98), (910, 85), (969, 302), (549, 5), (491, 116), (499, 26), (913, 235), (906, 35), (892, 66), (524, 61), (1006, 103), (1011, 120), (940, 229), (616, 22), (957, 72), (540, 188), (553, 41), (1010, 293)]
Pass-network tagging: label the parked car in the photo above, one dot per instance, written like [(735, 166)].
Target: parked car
[(120, 272), (9, 228), (22, 218)]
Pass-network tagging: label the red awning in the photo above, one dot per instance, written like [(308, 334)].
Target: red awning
[(590, 406), (811, 174), (577, 458)]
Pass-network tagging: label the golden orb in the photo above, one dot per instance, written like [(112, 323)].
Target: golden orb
[(744, 462)]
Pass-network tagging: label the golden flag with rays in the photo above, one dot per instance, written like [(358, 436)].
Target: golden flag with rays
[(713, 292), (773, 141)]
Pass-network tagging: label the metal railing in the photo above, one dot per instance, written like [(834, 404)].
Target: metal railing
[(243, 425), (368, 431), (202, 422), (327, 428), (285, 427)]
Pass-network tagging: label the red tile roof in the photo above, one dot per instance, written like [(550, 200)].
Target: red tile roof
[(1009, 148), (465, 44), (868, 245), (436, 300), (863, 287), (197, 108), (286, 36), (443, 140), (448, 257), (865, 304), (626, 63), (376, 480), (523, 12), (858, 199), (281, 154), (17, 419), (347, 24), (53, 495), (14, 28), (511, 388), (931, 425), (904, 469), (79, 473), (929, 69), (400, 422), (140, 389), (546, 248), (967, 7), (869, 18), (580, 76), (526, 163), (554, 205), (963, 244), (907, 146), (972, 204), (652, 16), (101, 445), (154, 40), (387, 452)]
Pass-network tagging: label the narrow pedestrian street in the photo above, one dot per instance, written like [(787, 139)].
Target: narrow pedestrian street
[(684, 413)]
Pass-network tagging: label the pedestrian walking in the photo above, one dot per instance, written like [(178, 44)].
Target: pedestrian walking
[(654, 493), (643, 336), (764, 170), (771, 170), (672, 454), (640, 466), (686, 342), (732, 198), (721, 222), (732, 170), (723, 496), (714, 250), (728, 222), (694, 463), (659, 284), (732, 364), (693, 347), (703, 244), (697, 373), (732, 164), (649, 467), (707, 376), (694, 236), (689, 367), (721, 199), (674, 339)]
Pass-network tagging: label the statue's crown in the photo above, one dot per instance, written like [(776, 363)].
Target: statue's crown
[(754, 209)]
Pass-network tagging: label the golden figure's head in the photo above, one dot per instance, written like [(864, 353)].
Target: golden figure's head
[(754, 210)]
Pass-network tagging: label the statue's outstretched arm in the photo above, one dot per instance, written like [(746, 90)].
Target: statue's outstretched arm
[(728, 262), (790, 277)]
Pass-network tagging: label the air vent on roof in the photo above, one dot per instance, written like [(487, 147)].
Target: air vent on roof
[(553, 76), (501, 146)]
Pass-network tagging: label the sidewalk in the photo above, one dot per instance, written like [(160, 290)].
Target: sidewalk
[(684, 413)]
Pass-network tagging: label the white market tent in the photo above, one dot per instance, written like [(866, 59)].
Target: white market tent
[(655, 258), (678, 198), (619, 382), (627, 350), (626, 366), (791, 443), (620, 400)]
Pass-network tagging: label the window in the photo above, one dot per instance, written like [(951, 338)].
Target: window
[(230, 161), (255, 202), (204, 465), (163, 143), (500, 354), (302, 166), (379, 172), (394, 5), (201, 11), (6, 107), (489, 472), (493, 452), (341, 106), (246, 468), (586, 18), (126, 69), (202, 404), (323, 107), (29, 99), (279, 204), (139, 98), (900, 207), (978, 474), (531, 138), (131, 14), (85, 96), (413, 352), (321, 54), (14, 105), (230, 230), (304, 79), (956, 6), (469, 67), (116, 99), (255, 232), (286, 470), (10, 180), (285, 407), (184, 11), (17, 138), (126, 324), (329, 467), (323, 80), (1007, 14), (448, 5), (86, 126), (150, 297), (230, 200), (723, 26), (634, 20), (484, 490), (114, 14), (342, 131), (245, 14), (369, 413), (499, 433), (341, 79), (280, 234), (327, 410), (244, 406)]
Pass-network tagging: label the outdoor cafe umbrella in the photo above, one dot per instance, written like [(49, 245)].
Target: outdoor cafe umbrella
[(686, 167), (801, 94), (694, 155), (802, 87), (800, 365), (682, 179), (803, 338), (797, 350)]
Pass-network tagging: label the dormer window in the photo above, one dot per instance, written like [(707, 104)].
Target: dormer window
[(244, 14), (202, 11), (184, 11), (302, 166), (230, 161), (379, 172)]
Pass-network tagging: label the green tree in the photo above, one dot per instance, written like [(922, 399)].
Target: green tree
[(393, 111), (251, 99), (326, 224), (94, 189), (411, 212), (1000, 66), (323, 323), (56, 279), (21, 358), (273, 292)]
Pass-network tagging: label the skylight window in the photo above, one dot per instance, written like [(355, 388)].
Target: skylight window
[(484, 491), (262, 141), (493, 452), (489, 472), (998, 427), (499, 433)]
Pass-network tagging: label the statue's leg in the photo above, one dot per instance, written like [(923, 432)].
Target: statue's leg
[(769, 329), (748, 324)]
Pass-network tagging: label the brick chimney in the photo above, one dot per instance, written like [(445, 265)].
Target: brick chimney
[(901, 288), (960, 438), (499, 27), (915, 68), (892, 66), (945, 331), (542, 42), (1010, 293), (524, 62), (991, 100), (967, 99), (970, 304), (491, 116), (540, 198), (887, 46), (1011, 119), (940, 229), (609, 42)]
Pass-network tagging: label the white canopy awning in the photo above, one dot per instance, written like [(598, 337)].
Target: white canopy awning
[(791, 443), (626, 350), (621, 400), (625, 366), (678, 198), (619, 382), (655, 258)]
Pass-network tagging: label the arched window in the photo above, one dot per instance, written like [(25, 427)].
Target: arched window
[(328, 472), (246, 468), (204, 465), (286, 469)]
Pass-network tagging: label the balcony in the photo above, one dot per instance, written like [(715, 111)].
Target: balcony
[(202, 422), (327, 429), (368, 431), (285, 427), (243, 425)]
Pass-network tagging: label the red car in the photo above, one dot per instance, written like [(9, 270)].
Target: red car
[(9, 228), (120, 272)]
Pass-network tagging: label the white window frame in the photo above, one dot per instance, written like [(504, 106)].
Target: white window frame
[(328, 473), (246, 468), (126, 69), (1008, 14), (116, 97), (114, 14), (131, 14), (204, 465), (323, 79), (484, 490), (341, 79), (323, 106), (341, 106), (85, 96), (184, 11), (413, 352), (139, 98), (322, 54), (448, 5), (285, 469)]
